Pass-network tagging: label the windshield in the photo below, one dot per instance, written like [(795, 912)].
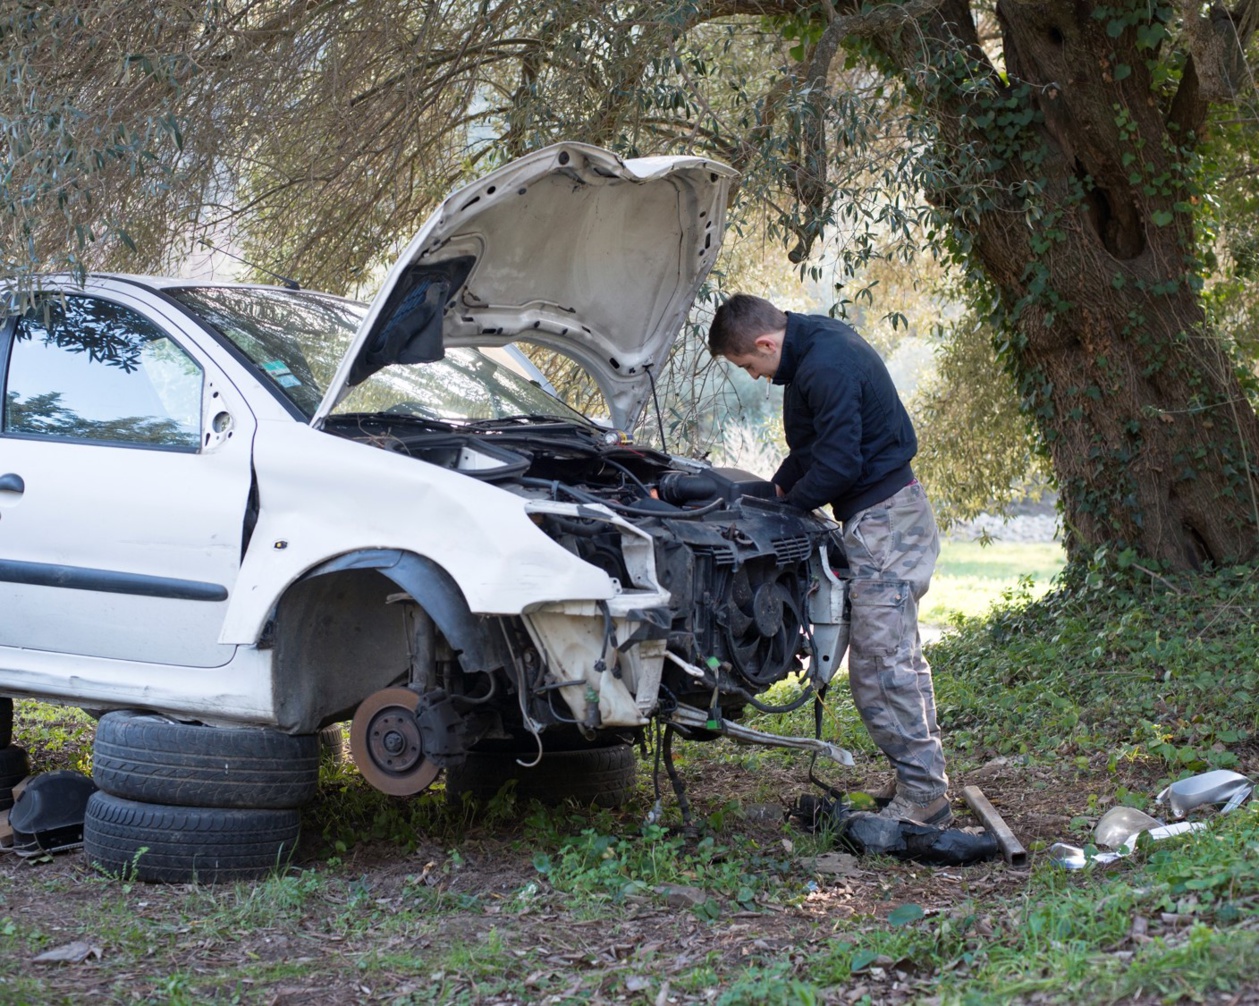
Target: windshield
[(297, 339)]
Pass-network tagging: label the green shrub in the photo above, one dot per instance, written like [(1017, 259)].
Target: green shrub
[(1119, 662)]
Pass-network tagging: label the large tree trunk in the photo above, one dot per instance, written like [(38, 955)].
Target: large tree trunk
[(1152, 440)]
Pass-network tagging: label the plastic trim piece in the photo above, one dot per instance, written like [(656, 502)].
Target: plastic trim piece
[(46, 574), (437, 592)]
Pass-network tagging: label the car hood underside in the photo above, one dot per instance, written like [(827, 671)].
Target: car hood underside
[(570, 248)]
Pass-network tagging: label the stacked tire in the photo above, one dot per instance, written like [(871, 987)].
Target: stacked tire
[(14, 766), (185, 802)]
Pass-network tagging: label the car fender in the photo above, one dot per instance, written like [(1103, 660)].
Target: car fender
[(437, 593), (322, 496)]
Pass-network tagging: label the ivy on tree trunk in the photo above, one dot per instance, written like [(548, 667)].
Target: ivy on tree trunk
[(1072, 186)]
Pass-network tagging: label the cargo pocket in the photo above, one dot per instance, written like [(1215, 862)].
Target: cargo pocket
[(868, 540), (878, 616)]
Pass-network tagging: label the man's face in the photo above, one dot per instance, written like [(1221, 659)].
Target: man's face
[(764, 358)]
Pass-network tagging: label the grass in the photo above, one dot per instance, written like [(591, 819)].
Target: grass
[(1100, 691), (970, 578)]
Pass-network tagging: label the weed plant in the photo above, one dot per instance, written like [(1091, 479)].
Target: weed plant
[(612, 868), (55, 736)]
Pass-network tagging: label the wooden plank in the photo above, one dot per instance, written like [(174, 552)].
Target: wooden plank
[(1010, 846)]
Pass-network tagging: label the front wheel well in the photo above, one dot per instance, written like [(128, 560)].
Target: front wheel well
[(337, 639)]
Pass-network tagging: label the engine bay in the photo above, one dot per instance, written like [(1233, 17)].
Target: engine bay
[(734, 558)]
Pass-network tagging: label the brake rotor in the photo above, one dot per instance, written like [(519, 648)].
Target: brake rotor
[(386, 746)]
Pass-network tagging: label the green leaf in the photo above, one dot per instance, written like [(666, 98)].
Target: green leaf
[(861, 960), (903, 915), (1150, 35), (1123, 71), (1161, 218)]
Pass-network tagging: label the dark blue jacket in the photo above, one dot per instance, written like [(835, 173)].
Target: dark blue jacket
[(851, 439)]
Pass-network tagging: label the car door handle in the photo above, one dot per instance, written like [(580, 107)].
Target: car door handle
[(13, 483)]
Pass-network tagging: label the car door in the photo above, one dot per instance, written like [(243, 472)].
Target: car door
[(124, 483)]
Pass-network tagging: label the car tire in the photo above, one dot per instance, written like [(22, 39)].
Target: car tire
[(146, 757), (163, 844), (332, 744), (14, 767), (605, 776), (6, 721)]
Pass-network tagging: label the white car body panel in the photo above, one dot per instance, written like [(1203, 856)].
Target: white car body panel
[(237, 692), (163, 514), (577, 250), (479, 533)]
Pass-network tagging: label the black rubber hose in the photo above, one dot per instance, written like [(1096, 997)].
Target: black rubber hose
[(585, 497), (791, 706)]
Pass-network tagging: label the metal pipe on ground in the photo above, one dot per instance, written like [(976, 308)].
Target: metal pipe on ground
[(1010, 846)]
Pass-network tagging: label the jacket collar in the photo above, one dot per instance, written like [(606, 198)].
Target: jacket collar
[(792, 349)]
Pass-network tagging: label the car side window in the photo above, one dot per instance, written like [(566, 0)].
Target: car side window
[(81, 368)]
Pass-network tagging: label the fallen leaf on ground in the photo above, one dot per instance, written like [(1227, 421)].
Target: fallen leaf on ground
[(69, 953)]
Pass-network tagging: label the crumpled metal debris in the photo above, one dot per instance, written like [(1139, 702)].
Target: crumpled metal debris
[(866, 833), (1120, 827), (1074, 858), (1218, 786)]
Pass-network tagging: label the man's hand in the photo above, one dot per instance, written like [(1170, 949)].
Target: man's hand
[(778, 491)]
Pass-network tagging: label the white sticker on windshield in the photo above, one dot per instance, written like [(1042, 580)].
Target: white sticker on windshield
[(287, 381)]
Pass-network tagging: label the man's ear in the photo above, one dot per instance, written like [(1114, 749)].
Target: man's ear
[(766, 343)]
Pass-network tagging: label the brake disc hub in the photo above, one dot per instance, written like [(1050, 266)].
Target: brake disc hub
[(386, 743)]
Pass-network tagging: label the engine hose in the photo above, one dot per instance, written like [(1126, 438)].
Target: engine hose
[(679, 788), (578, 527), (625, 471), (791, 706), (743, 695), (632, 511)]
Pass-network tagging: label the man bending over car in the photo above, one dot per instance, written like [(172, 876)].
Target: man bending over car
[(851, 443)]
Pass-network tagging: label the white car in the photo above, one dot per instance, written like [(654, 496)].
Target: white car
[(260, 506)]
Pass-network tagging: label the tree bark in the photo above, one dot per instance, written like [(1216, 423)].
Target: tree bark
[(1088, 236)]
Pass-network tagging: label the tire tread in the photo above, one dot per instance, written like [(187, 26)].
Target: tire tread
[(143, 757), (174, 844)]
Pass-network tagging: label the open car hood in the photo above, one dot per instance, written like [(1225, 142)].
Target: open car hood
[(571, 248)]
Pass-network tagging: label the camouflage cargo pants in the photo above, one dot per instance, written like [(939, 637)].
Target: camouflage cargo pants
[(892, 548)]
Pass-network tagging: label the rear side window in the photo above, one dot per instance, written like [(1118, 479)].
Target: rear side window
[(81, 368)]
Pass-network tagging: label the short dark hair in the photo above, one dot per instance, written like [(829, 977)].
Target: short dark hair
[(740, 321)]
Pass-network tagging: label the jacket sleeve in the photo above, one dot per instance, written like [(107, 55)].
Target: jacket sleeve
[(834, 397), (793, 467)]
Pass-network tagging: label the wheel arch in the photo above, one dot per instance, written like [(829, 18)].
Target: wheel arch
[(338, 638)]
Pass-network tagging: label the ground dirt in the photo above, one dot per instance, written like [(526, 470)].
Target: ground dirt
[(360, 935)]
